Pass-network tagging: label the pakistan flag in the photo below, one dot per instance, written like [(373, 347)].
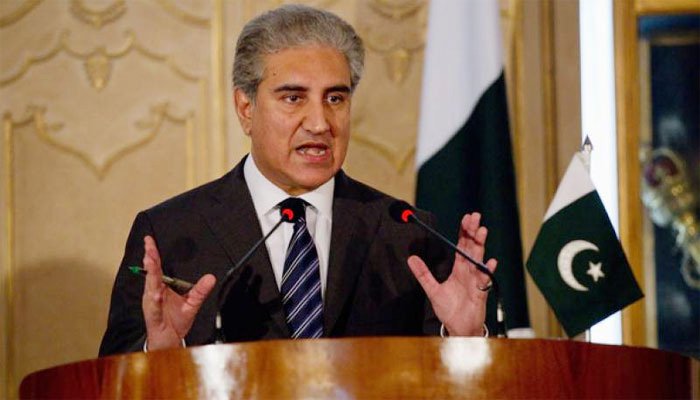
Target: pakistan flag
[(577, 260)]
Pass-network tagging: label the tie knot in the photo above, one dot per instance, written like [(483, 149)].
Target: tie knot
[(293, 209)]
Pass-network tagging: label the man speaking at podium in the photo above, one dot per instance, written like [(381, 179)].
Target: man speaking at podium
[(341, 268)]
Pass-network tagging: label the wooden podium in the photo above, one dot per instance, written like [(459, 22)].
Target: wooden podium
[(387, 368)]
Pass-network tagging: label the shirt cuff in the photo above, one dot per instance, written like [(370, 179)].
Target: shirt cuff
[(444, 333), (145, 344)]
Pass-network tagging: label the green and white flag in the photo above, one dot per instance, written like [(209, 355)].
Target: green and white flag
[(577, 260), (463, 153)]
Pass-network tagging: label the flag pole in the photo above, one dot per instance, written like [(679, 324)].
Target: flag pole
[(585, 154)]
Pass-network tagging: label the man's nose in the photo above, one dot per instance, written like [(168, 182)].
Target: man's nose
[(316, 118)]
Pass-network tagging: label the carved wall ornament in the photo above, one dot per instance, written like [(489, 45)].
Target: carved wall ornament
[(396, 30), (171, 8), (18, 13), (396, 58), (312, 3), (98, 69), (396, 9), (161, 113), (28, 62), (131, 44), (9, 124), (97, 18), (399, 158), (98, 62), (397, 63), (158, 114)]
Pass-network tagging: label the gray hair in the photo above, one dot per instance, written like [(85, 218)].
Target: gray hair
[(292, 26)]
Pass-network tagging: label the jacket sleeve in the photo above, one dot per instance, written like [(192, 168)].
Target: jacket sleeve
[(126, 329)]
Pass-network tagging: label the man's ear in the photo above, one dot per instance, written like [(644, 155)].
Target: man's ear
[(244, 109)]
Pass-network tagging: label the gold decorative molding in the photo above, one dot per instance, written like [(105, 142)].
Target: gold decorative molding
[(549, 111), (182, 15), (8, 155), (396, 9), (98, 68), (396, 57), (655, 7), (28, 63), (312, 3), (394, 29), (159, 113), (100, 55), (548, 71), (220, 90), (97, 18), (675, 39), (400, 159), (628, 125), (97, 62), (19, 13)]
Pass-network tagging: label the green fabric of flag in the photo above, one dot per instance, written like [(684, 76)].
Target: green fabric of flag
[(463, 154), (577, 260)]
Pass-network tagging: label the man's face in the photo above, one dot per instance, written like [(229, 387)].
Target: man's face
[(299, 124)]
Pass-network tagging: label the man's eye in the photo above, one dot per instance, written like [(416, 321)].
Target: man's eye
[(335, 99), (292, 98)]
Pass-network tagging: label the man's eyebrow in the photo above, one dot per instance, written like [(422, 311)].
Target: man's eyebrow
[(339, 88), (291, 88), (300, 88)]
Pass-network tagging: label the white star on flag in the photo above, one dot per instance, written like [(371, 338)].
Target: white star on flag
[(595, 271)]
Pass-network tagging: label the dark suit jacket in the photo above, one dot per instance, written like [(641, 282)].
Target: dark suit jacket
[(370, 290)]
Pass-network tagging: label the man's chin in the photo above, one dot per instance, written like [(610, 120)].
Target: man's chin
[(308, 181)]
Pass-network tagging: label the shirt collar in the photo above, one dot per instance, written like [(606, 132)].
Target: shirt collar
[(266, 195)]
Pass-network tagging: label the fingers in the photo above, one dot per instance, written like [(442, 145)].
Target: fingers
[(151, 263), (472, 236), (423, 275), (483, 280), (492, 264), (154, 290), (168, 316), (470, 229), (470, 223), (201, 290)]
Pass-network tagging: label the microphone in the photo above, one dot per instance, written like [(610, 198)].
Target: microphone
[(403, 213), (290, 210)]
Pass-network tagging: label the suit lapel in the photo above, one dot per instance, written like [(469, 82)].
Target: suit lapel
[(354, 227), (234, 223)]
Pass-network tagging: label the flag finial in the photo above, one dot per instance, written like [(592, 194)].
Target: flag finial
[(585, 153), (587, 146)]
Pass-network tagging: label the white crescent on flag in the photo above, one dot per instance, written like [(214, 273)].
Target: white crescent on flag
[(565, 261)]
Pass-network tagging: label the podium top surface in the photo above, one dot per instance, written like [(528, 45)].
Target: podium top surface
[(359, 368)]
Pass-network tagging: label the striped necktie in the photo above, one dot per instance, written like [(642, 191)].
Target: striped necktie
[(301, 284)]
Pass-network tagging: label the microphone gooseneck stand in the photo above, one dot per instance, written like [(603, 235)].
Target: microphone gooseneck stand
[(290, 210)]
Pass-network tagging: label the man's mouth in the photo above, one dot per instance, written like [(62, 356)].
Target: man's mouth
[(314, 150)]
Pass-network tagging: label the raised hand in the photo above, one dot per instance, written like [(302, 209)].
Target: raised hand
[(168, 315), (460, 301)]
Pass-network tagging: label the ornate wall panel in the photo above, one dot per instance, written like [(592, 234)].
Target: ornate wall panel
[(107, 109)]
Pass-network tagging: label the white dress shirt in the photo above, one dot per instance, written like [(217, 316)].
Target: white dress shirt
[(319, 219)]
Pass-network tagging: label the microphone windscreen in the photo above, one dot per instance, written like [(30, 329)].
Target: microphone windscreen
[(291, 209), (400, 211)]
